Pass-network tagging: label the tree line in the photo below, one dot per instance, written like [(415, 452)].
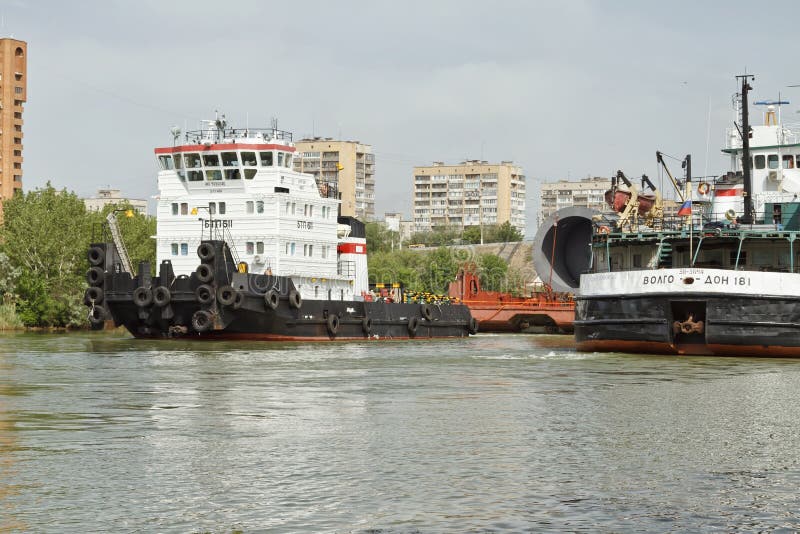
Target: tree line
[(44, 239)]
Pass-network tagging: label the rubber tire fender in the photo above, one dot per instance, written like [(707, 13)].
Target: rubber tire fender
[(95, 276), (333, 324), (271, 299), (142, 296), (425, 311), (202, 320), (205, 251), (97, 315), (93, 293), (161, 296), (205, 273), (472, 326), (97, 256), (238, 301), (413, 324), (295, 300), (204, 294), (366, 325), (226, 295)]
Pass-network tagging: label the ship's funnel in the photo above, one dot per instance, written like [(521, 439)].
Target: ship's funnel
[(561, 248)]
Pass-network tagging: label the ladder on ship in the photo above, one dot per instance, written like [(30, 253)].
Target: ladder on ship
[(116, 236)]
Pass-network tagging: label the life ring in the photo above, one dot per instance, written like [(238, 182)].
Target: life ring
[(93, 295), (205, 273), (333, 324), (96, 256), (161, 296), (271, 299), (413, 323), (95, 276), (226, 295), (472, 327), (366, 325), (295, 300), (603, 230), (425, 312), (703, 188), (205, 252), (204, 294), (142, 296), (730, 214), (201, 320)]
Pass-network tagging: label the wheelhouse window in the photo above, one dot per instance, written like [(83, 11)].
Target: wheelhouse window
[(232, 174), (249, 159), (288, 160), (266, 159), (280, 159), (192, 160), (760, 162), (230, 159), (249, 174), (211, 160), (179, 166), (788, 162), (213, 175), (195, 176), (166, 162), (772, 161)]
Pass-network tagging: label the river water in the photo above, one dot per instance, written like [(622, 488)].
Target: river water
[(512, 433)]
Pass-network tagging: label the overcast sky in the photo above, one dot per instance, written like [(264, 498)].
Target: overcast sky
[(565, 89)]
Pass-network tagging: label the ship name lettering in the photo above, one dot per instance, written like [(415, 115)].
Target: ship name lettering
[(660, 279), (742, 281), (305, 225), (717, 280)]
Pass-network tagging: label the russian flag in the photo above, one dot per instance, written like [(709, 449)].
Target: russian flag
[(686, 209)]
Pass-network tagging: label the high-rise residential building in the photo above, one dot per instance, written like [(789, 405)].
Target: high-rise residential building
[(112, 196), (585, 193), (472, 193), (349, 166), (13, 93)]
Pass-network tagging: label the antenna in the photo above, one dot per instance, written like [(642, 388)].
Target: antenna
[(176, 132)]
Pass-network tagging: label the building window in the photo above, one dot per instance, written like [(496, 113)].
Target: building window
[(18, 90), (174, 249), (184, 249), (249, 206)]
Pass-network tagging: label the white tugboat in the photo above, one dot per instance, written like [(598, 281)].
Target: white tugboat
[(276, 262), (722, 278)]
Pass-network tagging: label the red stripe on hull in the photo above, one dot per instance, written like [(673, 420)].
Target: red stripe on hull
[(352, 248), (653, 347), (728, 192)]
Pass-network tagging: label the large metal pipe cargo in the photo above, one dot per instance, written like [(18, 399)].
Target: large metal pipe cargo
[(561, 248)]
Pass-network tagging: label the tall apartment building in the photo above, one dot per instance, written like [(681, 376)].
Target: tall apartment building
[(585, 193), (13, 93), (472, 193), (349, 165)]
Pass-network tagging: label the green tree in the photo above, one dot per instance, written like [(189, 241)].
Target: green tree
[(472, 234), (439, 270), (492, 271), (506, 233), (45, 235)]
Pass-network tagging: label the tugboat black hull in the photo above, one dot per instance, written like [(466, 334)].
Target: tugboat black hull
[(690, 324), (217, 302)]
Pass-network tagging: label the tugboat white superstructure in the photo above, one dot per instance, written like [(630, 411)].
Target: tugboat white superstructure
[(276, 260), (721, 278)]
